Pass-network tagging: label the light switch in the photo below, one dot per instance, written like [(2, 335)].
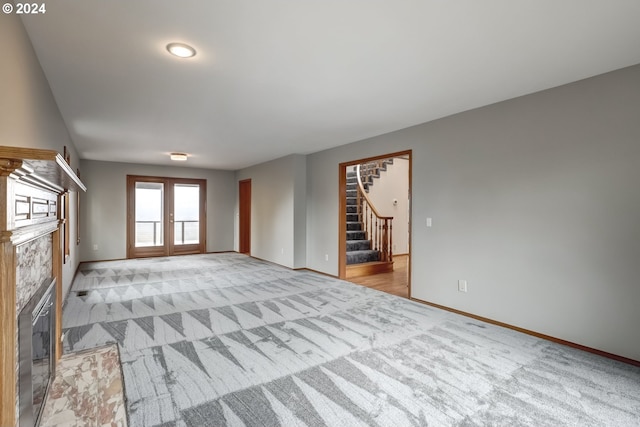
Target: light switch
[(462, 285), (428, 222)]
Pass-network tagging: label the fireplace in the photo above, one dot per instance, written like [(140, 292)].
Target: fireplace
[(34, 186), (36, 329)]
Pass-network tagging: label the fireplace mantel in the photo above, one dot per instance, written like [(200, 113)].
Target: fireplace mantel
[(43, 168), (31, 183)]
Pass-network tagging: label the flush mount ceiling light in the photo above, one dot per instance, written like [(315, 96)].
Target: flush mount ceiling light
[(181, 50), (179, 157)]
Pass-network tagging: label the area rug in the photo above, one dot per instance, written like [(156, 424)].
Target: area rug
[(228, 340)]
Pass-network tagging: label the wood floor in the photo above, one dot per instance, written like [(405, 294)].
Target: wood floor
[(395, 282)]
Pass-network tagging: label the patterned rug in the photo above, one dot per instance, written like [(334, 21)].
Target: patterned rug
[(228, 340)]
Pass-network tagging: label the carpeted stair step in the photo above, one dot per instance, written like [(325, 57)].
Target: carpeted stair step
[(352, 193), (352, 201), (354, 226), (353, 217), (358, 257), (351, 209), (358, 245), (356, 235)]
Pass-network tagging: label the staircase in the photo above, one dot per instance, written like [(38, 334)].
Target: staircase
[(364, 242), (358, 246), (371, 172)]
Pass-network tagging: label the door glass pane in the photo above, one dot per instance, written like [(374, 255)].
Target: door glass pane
[(186, 207), (149, 212)]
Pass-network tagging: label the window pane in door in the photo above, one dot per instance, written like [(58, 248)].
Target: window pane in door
[(186, 207), (149, 214)]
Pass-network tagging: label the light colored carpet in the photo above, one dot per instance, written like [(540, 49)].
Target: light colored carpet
[(228, 340)]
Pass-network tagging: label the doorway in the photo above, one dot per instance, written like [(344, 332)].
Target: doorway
[(244, 197), (165, 216), (396, 281)]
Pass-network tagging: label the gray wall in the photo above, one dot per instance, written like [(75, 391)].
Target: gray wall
[(104, 207), (29, 115), (535, 202), (278, 210)]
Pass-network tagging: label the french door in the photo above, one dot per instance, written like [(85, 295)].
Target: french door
[(165, 216)]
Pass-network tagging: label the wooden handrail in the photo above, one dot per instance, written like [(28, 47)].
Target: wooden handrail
[(378, 229), (366, 196)]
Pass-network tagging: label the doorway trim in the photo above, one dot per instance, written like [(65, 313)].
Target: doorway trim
[(342, 211), (168, 248), (244, 216)]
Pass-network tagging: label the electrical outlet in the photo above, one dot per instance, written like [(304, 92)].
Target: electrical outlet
[(462, 285), (326, 257)]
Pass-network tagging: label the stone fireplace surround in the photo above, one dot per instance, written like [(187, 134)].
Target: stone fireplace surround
[(32, 182)]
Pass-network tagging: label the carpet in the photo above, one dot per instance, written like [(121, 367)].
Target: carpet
[(228, 340)]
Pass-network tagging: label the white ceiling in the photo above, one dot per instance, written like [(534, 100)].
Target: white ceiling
[(275, 77)]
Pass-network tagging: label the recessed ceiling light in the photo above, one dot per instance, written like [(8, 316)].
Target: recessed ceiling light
[(180, 157), (181, 50)]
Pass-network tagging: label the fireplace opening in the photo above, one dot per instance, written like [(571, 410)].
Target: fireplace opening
[(36, 326)]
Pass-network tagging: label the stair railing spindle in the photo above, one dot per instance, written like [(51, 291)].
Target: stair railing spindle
[(381, 247), (390, 241), (365, 213), (369, 225)]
